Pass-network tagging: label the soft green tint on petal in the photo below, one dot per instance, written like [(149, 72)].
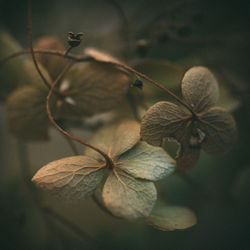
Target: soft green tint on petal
[(127, 197), (169, 218), (115, 139), (147, 162)]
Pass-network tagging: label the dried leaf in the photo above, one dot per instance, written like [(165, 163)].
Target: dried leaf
[(115, 139), (189, 149), (53, 64), (147, 162), (99, 87), (27, 117), (100, 55), (18, 71), (166, 73), (70, 178), (188, 158), (200, 88), (169, 218), (127, 197), (163, 120), (220, 130)]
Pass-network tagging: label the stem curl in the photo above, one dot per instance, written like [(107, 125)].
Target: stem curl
[(109, 161)]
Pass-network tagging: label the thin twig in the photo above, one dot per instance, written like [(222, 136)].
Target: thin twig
[(67, 50), (71, 144), (52, 52), (106, 157), (124, 27), (85, 58), (31, 47), (60, 76), (70, 225), (154, 83)]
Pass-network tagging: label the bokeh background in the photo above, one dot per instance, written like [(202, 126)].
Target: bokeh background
[(156, 37)]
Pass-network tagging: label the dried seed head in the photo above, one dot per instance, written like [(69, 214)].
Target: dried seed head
[(138, 84), (74, 40)]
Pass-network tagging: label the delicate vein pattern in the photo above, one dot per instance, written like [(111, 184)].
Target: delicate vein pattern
[(116, 138), (163, 119), (100, 86), (128, 197), (71, 178), (210, 128), (147, 162), (220, 130), (200, 88), (170, 218)]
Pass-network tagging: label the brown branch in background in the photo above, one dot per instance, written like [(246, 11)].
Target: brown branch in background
[(85, 58), (63, 220), (71, 144), (77, 230), (67, 51), (25, 171), (106, 157), (156, 84), (60, 76), (124, 27), (52, 52), (31, 47)]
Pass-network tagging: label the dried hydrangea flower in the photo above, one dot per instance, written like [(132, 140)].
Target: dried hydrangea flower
[(208, 127), (127, 188)]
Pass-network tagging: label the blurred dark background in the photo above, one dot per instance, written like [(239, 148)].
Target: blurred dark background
[(211, 33)]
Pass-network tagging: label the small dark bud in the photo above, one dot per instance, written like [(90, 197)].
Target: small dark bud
[(74, 39), (184, 31), (142, 47), (138, 84)]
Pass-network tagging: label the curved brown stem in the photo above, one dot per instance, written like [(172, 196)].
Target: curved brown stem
[(52, 52), (84, 58), (67, 67), (31, 47), (156, 84), (72, 145), (124, 27), (108, 160)]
